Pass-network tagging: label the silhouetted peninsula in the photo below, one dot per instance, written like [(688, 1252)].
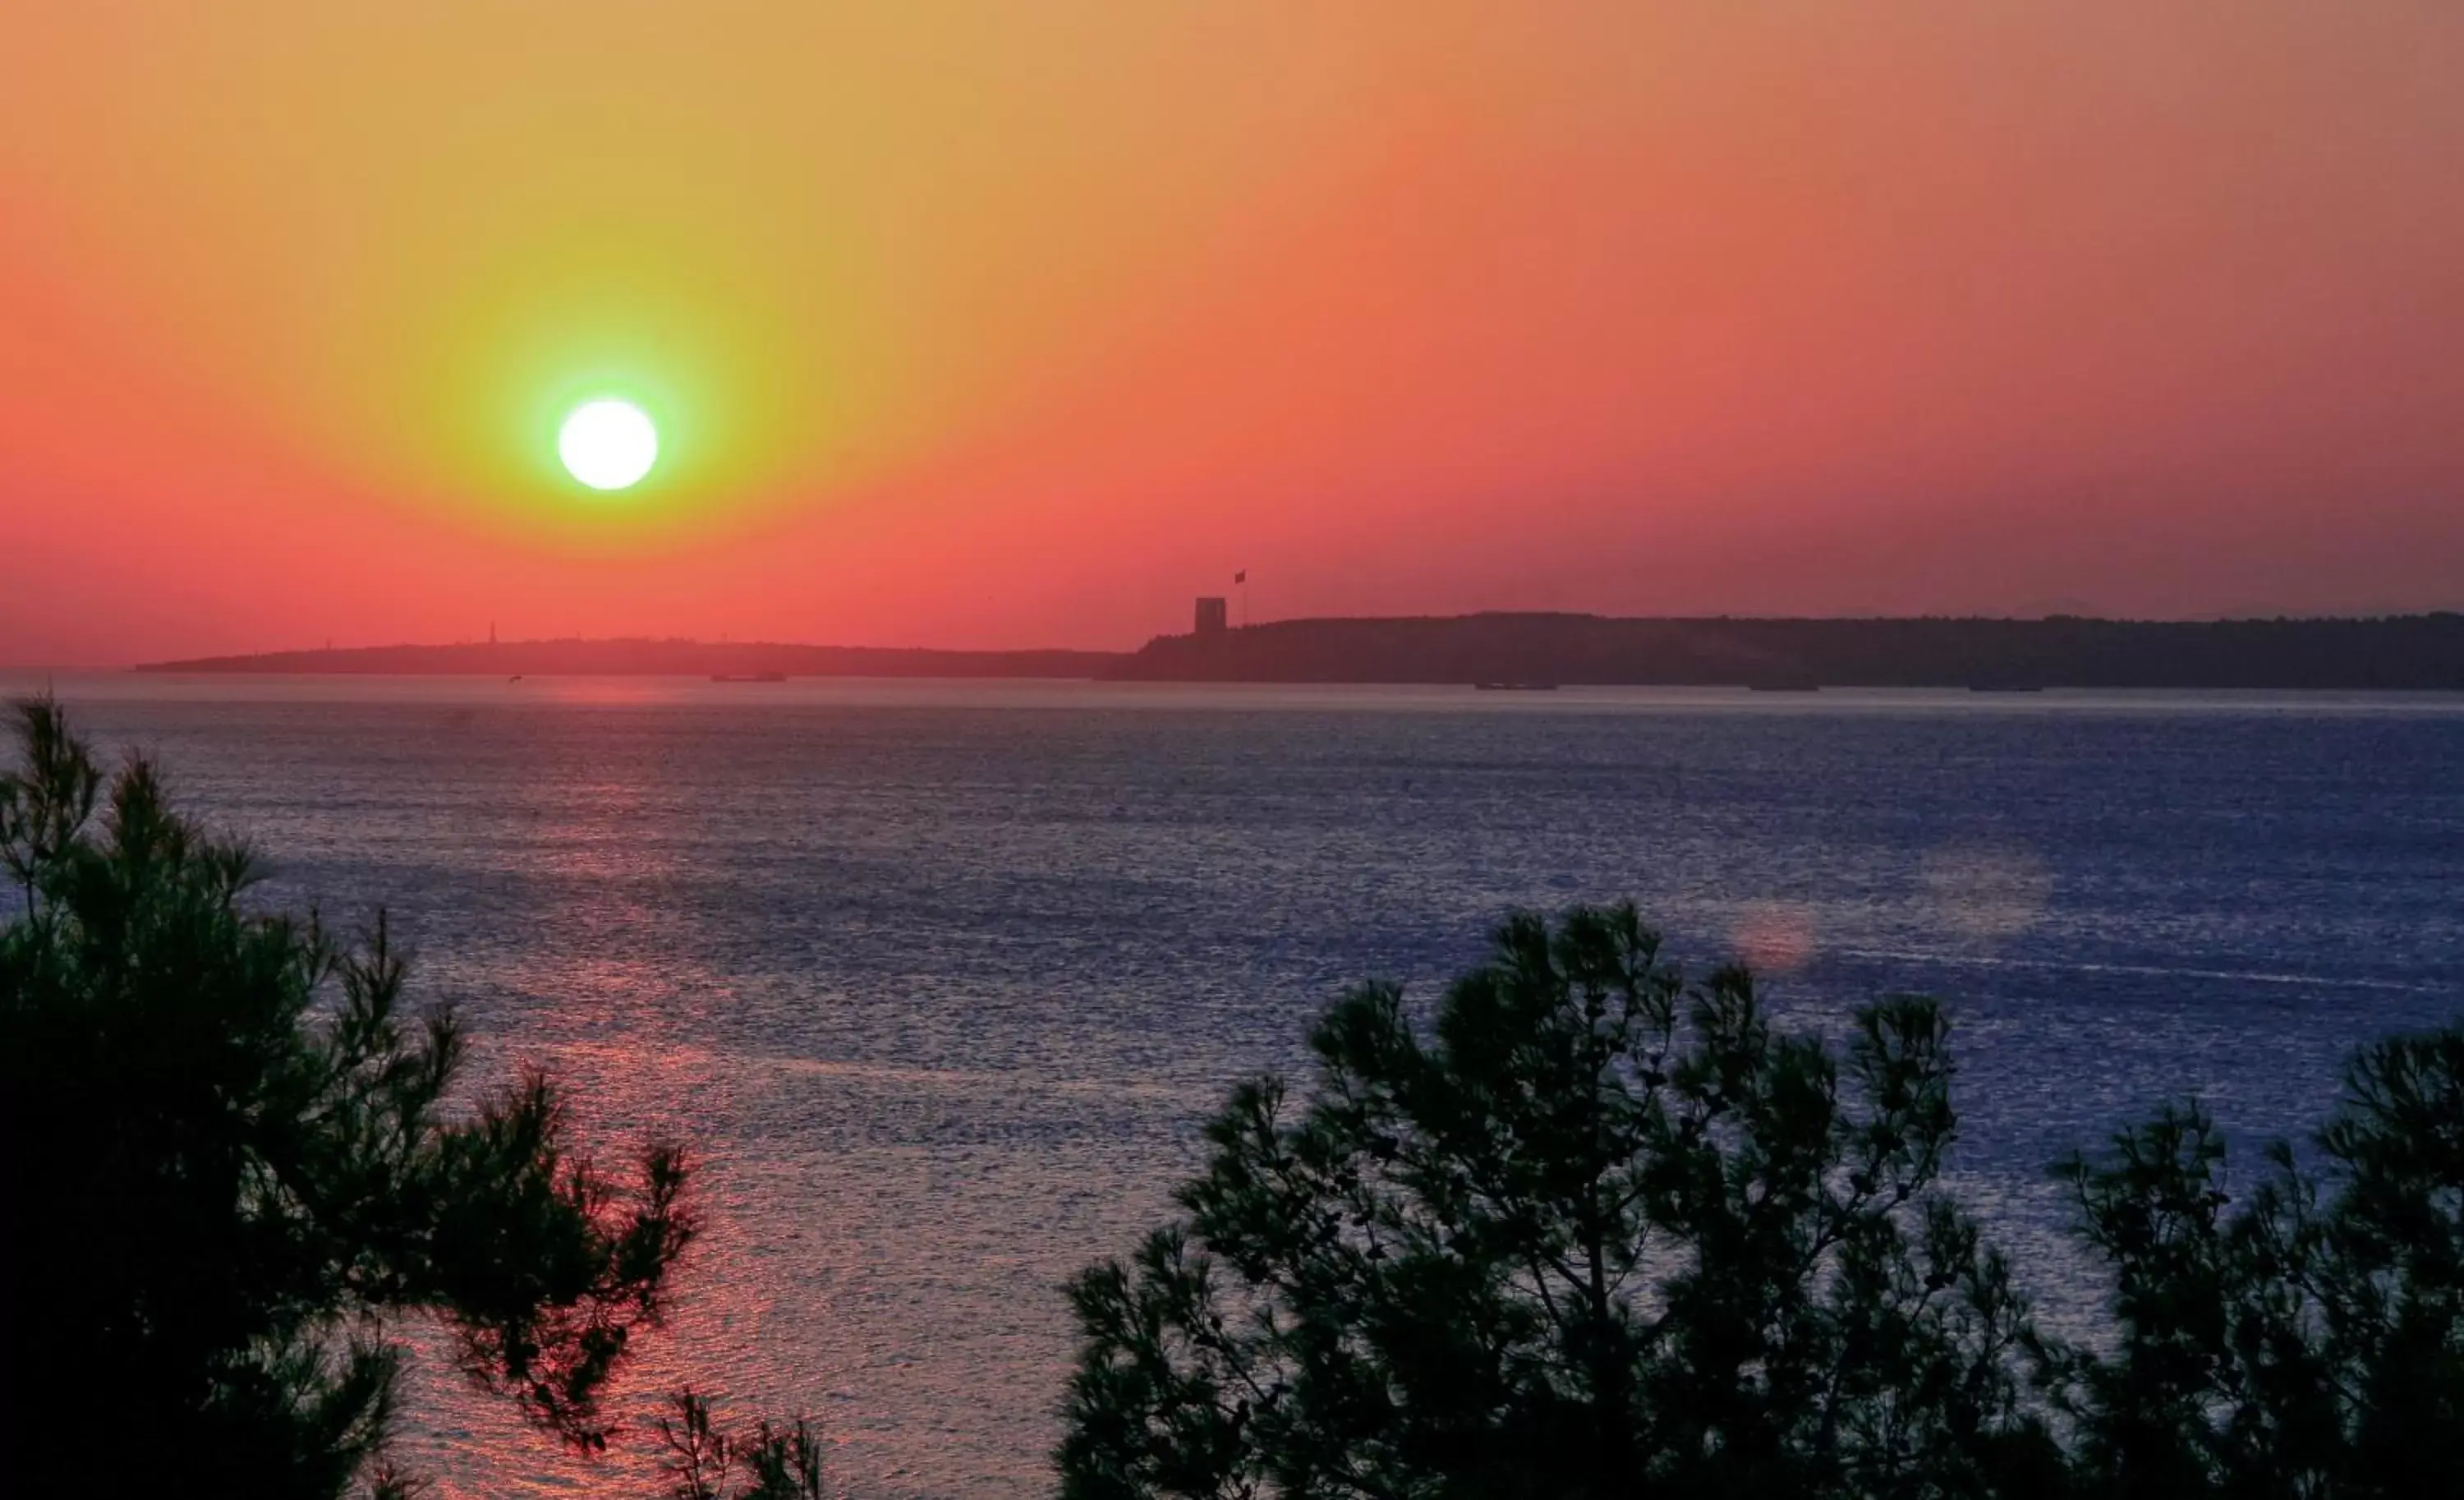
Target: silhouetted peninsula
[(2412, 651), (1528, 651)]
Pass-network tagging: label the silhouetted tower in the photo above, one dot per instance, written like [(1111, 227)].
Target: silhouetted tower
[(1210, 617)]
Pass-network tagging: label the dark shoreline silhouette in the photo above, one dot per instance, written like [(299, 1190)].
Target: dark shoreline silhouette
[(2423, 652), (2399, 651)]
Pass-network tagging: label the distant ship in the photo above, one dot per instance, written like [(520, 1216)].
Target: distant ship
[(748, 676), (1514, 686)]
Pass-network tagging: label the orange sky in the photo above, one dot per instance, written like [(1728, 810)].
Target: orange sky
[(1009, 324)]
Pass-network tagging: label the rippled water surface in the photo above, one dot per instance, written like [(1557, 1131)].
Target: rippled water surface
[(939, 978)]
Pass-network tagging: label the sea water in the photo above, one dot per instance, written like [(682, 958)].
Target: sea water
[(939, 979)]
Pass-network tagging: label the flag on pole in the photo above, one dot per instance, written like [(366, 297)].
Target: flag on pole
[(1241, 577)]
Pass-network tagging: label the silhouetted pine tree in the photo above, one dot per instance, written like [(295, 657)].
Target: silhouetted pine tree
[(2306, 1342), (229, 1175), (764, 1462), (1595, 1233)]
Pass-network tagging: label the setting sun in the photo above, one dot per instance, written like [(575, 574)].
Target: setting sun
[(607, 445)]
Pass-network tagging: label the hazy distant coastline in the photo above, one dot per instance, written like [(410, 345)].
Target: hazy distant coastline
[(630, 657), (2401, 651)]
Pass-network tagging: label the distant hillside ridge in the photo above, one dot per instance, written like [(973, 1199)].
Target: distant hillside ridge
[(2396, 651), (653, 658)]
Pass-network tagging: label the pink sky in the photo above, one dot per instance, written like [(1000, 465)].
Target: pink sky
[(999, 325)]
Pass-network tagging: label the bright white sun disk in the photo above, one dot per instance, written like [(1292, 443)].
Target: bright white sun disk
[(607, 445)]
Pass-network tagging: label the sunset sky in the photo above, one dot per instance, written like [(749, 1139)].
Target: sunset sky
[(1019, 323)]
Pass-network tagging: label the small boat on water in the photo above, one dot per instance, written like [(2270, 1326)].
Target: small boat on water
[(1514, 686), (748, 676)]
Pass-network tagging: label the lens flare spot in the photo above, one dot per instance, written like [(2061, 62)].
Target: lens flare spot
[(1773, 938), (1986, 894)]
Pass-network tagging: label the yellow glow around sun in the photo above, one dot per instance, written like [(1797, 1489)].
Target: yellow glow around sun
[(607, 445)]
